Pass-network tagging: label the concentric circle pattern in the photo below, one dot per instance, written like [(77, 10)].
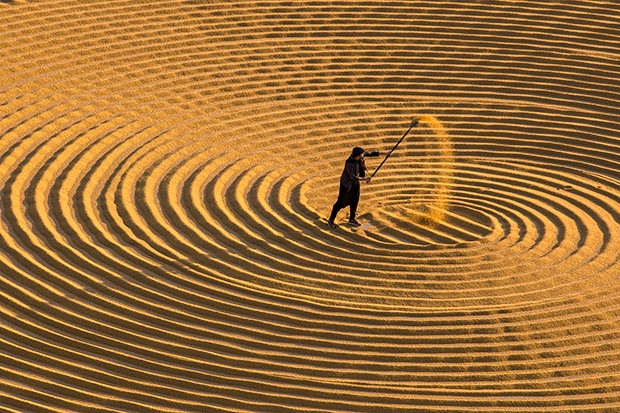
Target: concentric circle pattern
[(167, 169)]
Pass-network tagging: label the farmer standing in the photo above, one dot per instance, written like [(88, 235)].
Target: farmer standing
[(349, 193)]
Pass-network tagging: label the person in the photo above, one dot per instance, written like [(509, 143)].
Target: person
[(353, 173)]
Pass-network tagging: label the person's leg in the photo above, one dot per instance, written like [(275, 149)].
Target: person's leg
[(355, 198), (335, 210), (341, 202)]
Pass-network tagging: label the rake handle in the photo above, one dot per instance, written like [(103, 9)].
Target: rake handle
[(414, 123)]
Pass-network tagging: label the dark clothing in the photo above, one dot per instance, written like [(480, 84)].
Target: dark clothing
[(346, 197), (363, 164), (349, 192), (350, 174)]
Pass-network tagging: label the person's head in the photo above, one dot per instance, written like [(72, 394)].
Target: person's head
[(357, 153)]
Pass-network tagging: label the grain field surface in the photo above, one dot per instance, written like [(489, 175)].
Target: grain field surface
[(167, 169)]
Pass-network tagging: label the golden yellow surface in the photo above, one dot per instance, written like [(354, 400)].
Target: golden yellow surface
[(167, 168)]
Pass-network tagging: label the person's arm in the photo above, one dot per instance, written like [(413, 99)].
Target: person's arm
[(377, 153), (352, 174)]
